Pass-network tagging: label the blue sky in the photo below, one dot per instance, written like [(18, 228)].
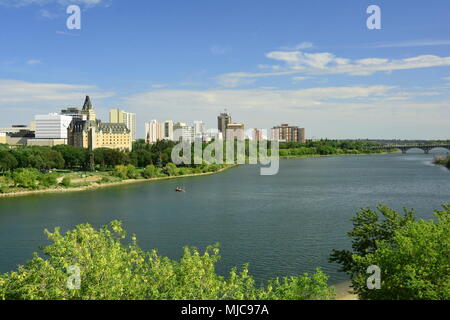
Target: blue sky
[(310, 63)]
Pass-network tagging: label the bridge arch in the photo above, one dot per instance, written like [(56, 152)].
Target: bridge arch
[(406, 149), (425, 149), (445, 148)]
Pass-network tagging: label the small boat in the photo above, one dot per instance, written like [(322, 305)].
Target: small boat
[(178, 189)]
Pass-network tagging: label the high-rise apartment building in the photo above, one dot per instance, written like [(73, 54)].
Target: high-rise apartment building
[(235, 131), (257, 135), (199, 130), (287, 133), (129, 119), (153, 131), (168, 130), (183, 132)]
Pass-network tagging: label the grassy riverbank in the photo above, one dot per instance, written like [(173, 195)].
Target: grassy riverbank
[(99, 180), (31, 170), (73, 181)]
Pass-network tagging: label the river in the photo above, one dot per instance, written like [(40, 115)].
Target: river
[(282, 225)]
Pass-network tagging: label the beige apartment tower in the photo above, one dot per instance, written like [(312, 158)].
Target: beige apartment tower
[(129, 119), (287, 133)]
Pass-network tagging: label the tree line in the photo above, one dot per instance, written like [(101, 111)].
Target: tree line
[(327, 147), (74, 158)]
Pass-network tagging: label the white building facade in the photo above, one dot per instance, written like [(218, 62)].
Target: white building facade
[(183, 132), (52, 126)]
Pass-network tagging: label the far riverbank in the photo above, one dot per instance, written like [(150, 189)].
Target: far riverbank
[(95, 185)]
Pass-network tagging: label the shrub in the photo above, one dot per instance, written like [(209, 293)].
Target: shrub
[(47, 180), (150, 171), (26, 178), (132, 172), (66, 182), (120, 171), (113, 267), (171, 170)]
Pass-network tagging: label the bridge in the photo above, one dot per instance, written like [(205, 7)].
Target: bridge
[(405, 147)]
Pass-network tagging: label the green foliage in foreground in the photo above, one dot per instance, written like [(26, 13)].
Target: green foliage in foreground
[(414, 256), (111, 269)]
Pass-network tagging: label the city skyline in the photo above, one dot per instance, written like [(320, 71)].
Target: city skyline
[(312, 65)]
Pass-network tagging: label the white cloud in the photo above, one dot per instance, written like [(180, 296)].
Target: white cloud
[(297, 79), (46, 14), (32, 62), (219, 50), (250, 99), (335, 112), (325, 63), (236, 79), (159, 85), (22, 92), (328, 63)]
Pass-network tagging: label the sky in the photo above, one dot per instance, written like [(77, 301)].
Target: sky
[(311, 63)]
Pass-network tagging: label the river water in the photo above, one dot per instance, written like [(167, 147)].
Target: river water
[(282, 225)]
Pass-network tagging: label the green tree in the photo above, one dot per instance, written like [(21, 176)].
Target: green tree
[(412, 255), (111, 269), (73, 157), (7, 161), (52, 159), (110, 157), (141, 158)]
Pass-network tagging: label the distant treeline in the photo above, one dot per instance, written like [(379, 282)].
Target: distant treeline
[(74, 158), (143, 154), (327, 147)]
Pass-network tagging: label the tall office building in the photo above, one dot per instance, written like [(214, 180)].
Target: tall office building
[(222, 122), (129, 119), (287, 133)]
